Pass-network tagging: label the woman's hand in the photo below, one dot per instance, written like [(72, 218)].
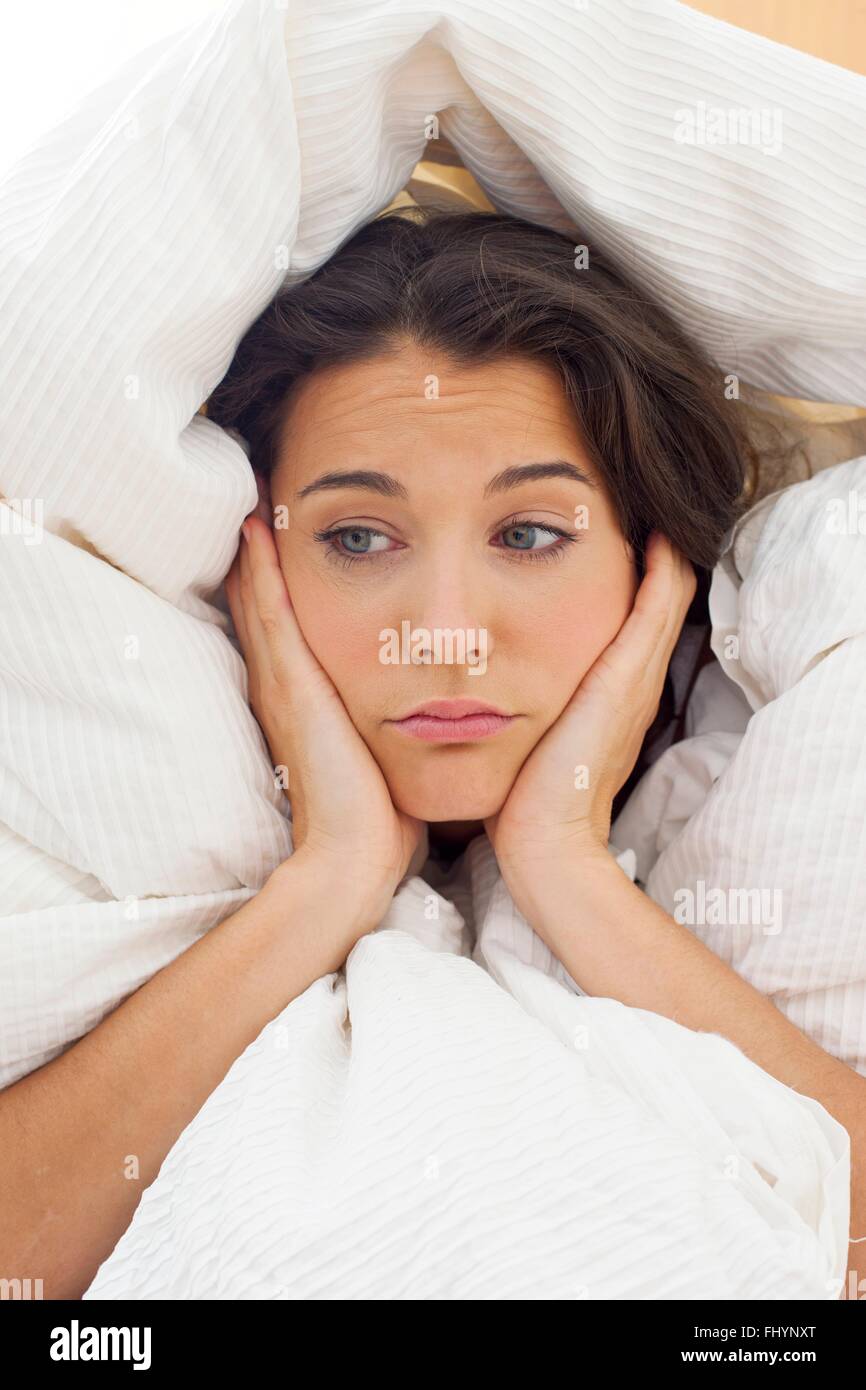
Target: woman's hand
[(342, 813), (560, 803)]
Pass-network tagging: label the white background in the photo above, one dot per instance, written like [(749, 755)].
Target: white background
[(52, 52)]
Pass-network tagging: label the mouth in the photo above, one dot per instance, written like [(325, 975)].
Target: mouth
[(452, 721)]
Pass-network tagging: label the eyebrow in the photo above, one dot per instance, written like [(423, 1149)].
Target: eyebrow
[(388, 486)]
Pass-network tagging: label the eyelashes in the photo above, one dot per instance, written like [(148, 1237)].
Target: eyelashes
[(329, 539)]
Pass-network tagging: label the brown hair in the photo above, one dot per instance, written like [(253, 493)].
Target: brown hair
[(650, 404)]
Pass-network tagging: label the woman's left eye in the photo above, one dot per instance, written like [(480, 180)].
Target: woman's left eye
[(528, 531), (358, 541)]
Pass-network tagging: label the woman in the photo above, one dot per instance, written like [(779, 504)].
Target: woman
[(459, 344), (461, 428), (540, 460)]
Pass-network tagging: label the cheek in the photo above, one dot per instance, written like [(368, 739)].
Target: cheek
[(575, 623), (340, 632), (337, 639)]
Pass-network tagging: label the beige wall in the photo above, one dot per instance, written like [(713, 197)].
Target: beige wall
[(831, 29)]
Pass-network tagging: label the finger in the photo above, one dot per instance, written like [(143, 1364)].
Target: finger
[(685, 583), (677, 588), (646, 626), (666, 592), (236, 608), (642, 648), (290, 656), (258, 652)]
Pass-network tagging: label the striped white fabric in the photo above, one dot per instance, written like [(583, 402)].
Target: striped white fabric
[(480, 1128), (753, 832), (422, 1128)]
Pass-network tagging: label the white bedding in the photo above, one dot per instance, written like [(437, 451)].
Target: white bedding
[(451, 1117), (446, 1120), (767, 792)]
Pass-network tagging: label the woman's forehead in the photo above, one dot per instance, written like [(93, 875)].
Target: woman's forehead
[(423, 410)]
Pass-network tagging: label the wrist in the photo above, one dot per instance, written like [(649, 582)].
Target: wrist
[(348, 902), (558, 889)]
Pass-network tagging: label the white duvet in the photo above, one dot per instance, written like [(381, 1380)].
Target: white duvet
[(450, 1116)]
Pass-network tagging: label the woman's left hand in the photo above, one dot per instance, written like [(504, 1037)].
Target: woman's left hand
[(559, 807)]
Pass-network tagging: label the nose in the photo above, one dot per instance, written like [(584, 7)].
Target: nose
[(453, 599)]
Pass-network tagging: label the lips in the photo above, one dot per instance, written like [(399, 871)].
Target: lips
[(453, 721), (453, 709)]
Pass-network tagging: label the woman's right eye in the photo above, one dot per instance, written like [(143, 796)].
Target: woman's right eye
[(349, 537)]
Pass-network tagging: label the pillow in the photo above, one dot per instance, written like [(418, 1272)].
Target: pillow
[(756, 839)]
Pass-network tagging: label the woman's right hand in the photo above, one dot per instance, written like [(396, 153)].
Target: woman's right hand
[(343, 817)]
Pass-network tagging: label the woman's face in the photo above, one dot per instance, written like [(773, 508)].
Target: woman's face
[(429, 560)]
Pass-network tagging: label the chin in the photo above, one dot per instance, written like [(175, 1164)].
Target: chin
[(449, 793)]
